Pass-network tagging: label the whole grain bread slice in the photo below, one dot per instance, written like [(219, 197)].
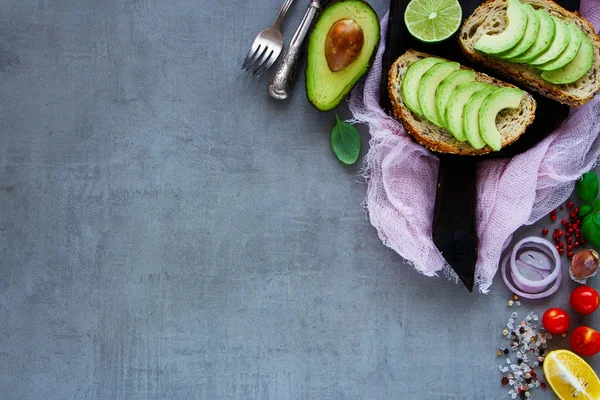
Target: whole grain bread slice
[(490, 18), (511, 123)]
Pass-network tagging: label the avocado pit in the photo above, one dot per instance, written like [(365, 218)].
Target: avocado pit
[(343, 44)]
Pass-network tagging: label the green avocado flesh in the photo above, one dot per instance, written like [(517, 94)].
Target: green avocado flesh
[(428, 88), (325, 89), (471, 117), (456, 106), (533, 26), (559, 44), (446, 88), (492, 105), (516, 24), (543, 41), (569, 53), (412, 81), (577, 68)]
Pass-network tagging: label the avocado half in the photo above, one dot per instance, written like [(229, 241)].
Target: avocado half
[(341, 47)]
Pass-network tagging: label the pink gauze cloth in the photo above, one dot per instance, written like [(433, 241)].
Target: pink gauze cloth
[(402, 176)]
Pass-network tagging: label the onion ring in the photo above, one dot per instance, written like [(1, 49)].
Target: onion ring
[(542, 245), (524, 295)]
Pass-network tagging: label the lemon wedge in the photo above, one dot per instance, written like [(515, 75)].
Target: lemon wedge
[(570, 376)]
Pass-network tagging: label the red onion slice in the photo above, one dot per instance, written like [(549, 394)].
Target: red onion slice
[(531, 272), (545, 247), (525, 288), (546, 293), (537, 260)]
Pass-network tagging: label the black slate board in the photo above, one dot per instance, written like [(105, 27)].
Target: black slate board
[(454, 218)]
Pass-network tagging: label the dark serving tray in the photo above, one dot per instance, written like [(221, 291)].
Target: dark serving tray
[(454, 218)]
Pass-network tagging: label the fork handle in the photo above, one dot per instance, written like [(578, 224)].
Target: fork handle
[(281, 85), (284, 9)]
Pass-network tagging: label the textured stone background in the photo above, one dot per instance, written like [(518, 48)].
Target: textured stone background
[(167, 231)]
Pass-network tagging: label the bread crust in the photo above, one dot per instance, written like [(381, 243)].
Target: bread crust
[(527, 76), (449, 145)]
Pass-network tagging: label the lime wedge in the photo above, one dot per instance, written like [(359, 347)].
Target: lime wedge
[(433, 20)]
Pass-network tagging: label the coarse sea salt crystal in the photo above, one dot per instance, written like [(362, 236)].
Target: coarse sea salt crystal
[(508, 360), (514, 315)]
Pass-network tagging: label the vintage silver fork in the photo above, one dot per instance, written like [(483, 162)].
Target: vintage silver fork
[(267, 46)]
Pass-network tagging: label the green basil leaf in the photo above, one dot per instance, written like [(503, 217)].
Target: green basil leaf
[(586, 209), (587, 228), (587, 187), (596, 205), (595, 239), (345, 142)]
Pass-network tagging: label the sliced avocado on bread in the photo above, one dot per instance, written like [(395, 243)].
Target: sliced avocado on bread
[(554, 65), (516, 23), (456, 106), (529, 37), (488, 113), (446, 88), (577, 68), (558, 45), (428, 89), (471, 117), (459, 89), (414, 74), (543, 40), (576, 37)]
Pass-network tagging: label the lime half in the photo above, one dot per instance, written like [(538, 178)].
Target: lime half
[(433, 20)]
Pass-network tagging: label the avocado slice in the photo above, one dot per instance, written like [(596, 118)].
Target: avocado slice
[(543, 40), (428, 88), (412, 81), (471, 117), (492, 105), (570, 52), (577, 68), (559, 43), (341, 47), (530, 36), (446, 88), (516, 23), (456, 106)]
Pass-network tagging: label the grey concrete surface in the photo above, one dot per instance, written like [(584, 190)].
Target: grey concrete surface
[(168, 231)]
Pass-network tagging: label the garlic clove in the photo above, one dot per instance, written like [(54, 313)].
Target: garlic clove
[(584, 265)]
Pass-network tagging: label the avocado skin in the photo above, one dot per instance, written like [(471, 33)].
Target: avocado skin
[(360, 74)]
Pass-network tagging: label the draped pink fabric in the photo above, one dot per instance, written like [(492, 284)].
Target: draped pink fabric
[(402, 175)]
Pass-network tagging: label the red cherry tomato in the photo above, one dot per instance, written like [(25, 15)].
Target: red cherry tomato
[(585, 341), (585, 300), (556, 321)]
